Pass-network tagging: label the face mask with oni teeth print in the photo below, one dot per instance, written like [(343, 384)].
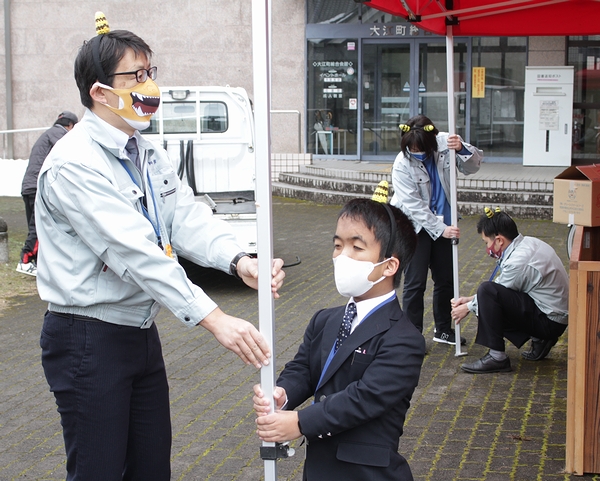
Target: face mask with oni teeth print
[(136, 105)]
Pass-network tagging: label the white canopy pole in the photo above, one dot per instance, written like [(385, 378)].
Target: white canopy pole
[(453, 196), (261, 54)]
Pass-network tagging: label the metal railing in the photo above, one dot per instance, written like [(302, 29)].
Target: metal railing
[(6, 133)]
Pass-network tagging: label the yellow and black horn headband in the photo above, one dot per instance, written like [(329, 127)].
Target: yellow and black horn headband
[(381, 192), (381, 195), (405, 128), (101, 29), (101, 24), (490, 213)]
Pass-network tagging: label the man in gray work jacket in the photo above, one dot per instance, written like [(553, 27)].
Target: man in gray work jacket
[(528, 300), (112, 217)]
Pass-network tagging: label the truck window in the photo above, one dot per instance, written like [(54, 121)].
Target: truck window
[(213, 117), (180, 118)]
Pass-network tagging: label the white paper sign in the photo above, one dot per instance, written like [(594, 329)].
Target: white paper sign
[(548, 114)]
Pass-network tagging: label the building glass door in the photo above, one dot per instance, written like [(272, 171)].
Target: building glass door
[(402, 80), (432, 89), (360, 88), (332, 102), (386, 97)]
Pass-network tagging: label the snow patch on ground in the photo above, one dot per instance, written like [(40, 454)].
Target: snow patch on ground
[(11, 176)]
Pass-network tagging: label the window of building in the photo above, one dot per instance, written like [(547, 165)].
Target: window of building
[(345, 11), (583, 53), (332, 96), (497, 118), (333, 11)]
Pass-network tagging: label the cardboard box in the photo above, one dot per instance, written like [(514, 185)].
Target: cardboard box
[(577, 196)]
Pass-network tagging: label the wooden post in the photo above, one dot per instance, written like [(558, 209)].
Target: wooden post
[(583, 375)]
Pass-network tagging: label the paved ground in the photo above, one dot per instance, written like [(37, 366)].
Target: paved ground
[(488, 171), (495, 427)]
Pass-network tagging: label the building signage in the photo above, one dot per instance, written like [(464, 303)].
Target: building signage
[(478, 83), (343, 63), (332, 92), (393, 30)]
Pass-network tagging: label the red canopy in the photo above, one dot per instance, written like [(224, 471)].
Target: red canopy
[(499, 18)]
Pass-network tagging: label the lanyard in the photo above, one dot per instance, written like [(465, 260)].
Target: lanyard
[(494, 272), (496, 268), (156, 226), (332, 352)]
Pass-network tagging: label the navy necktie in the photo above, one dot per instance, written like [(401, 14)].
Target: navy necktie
[(346, 326), (132, 152)]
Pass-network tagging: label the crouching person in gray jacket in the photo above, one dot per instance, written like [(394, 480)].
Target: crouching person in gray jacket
[(529, 299)]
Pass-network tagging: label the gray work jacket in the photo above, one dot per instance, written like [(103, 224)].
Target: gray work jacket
[(412, 187), (98, 254)]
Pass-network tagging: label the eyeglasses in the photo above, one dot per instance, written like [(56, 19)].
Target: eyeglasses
[(141, 75)]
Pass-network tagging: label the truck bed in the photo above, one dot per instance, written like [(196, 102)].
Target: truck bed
[(236, 202)]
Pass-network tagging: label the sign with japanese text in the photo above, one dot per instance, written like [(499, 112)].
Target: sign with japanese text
[(378, 30), (478, 83)]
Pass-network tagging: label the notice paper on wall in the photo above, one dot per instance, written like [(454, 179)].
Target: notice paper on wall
[(548, 114)]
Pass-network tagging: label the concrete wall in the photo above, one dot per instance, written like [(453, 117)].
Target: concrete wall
[(289, 73), (547, 51), (196, 42)]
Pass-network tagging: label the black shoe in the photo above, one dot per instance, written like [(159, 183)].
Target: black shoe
[(487, 364), (448, 338), (539, 349)]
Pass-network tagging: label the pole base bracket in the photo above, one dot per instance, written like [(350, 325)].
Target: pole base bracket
[(279, 451)]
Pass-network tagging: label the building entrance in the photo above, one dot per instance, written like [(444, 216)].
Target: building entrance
[(360, 88), (400, 81)]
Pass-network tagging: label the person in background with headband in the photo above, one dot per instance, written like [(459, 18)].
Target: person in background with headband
[(421, 181), (528, 299), (42, 147), (112, 218), (360, 361)]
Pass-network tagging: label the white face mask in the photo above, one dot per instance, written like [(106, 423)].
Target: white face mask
[(352, 276)]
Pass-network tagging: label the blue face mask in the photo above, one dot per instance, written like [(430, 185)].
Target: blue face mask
[(421, 156)]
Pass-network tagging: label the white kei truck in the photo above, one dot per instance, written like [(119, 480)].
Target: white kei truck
[(209, 135)]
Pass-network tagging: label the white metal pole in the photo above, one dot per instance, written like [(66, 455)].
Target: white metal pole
[(453, 196), (261, 54), (8, 83)]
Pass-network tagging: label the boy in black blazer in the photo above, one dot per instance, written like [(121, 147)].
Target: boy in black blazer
[(361, 362)]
